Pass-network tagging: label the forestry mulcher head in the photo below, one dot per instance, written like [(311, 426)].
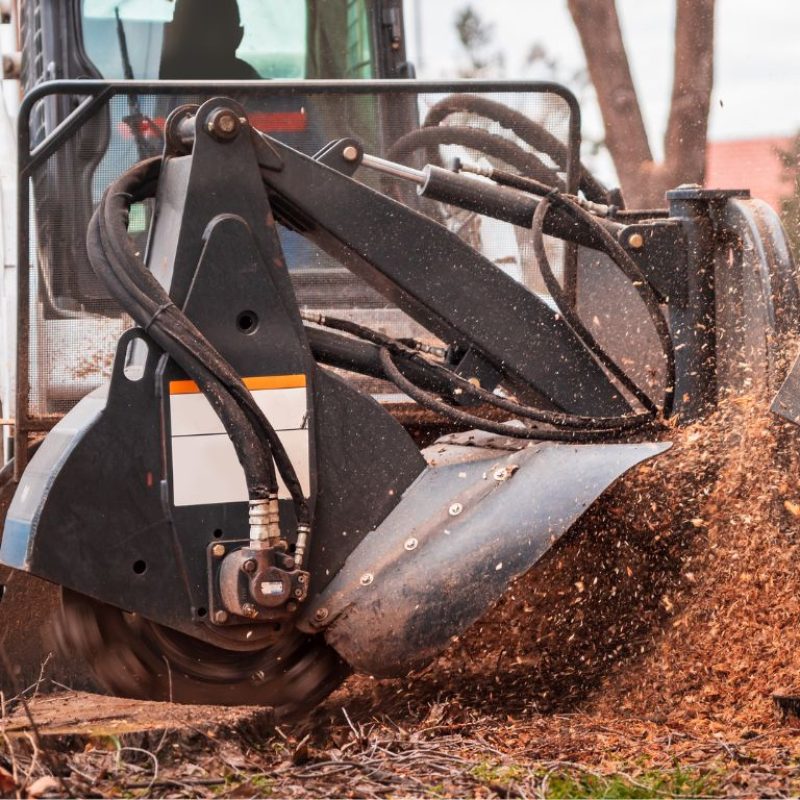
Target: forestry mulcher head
[(233, 520)]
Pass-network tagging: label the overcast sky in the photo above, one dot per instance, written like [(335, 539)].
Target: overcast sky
[(757, 69)]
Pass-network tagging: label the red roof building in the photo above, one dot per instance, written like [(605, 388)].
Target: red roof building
[(749, 164)]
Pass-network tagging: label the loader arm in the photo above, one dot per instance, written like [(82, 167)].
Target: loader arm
[(436, 278)]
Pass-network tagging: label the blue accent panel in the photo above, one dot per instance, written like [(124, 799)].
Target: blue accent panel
[(16, 538), (23, 515)]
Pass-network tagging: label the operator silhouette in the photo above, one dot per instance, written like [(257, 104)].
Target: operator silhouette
[(201, 41)]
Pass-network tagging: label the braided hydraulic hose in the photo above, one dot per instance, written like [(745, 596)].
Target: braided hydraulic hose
[(409, 352), (142, 296), (612, 248), (490, 144), (434, 403), (530, 132)]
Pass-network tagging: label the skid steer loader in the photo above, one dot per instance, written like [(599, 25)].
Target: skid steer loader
[(307, 372)]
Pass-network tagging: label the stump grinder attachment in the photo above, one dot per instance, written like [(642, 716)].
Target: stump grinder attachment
[(233, 522)]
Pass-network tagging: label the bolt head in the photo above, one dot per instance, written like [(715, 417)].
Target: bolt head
[(249, 610), (218, 550), (223, 124), (220, 617), (321, 614), (411, 544), (250, 565), (367, 578), (636, 241), (455, 509), (350, 153)]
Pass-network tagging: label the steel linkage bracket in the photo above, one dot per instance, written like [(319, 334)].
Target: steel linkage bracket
[(659, 249)]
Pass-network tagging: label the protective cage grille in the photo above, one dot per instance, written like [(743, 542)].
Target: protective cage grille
[(77, 137)]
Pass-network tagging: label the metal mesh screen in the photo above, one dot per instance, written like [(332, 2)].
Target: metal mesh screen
[(74, 325)]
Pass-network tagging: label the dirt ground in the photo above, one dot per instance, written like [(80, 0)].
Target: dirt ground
[(639, 659)]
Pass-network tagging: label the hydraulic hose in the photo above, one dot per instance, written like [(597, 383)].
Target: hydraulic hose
[(142, 296), (434, 403), (509, 198), (456, 385), (532, 133), (490, 144), (614, 250)]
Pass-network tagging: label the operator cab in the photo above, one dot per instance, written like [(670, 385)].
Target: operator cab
[(190, 40)]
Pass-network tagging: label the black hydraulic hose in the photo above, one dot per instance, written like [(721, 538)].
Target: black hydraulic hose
[(488, 143), (353, 328), (604, 240), (155, 312), (555, 418), (530, 132), (458, 385), (113, 258), (574, 321), (607, 243), (614, 250), (433, 403), (261, 478), (362, 357)]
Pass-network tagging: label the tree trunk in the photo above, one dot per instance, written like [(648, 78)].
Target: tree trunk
[(644, 181)]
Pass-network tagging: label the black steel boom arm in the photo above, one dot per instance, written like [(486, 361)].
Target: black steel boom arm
[(438, 279)]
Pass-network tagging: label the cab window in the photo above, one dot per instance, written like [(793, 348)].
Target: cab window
[(228, 40)]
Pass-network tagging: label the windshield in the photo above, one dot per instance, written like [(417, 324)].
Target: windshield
[(228, 40)]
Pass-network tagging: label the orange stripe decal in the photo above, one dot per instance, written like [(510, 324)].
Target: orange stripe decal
[(254, 383)]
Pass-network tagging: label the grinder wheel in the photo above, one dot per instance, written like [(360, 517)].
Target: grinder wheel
[(134, 657)]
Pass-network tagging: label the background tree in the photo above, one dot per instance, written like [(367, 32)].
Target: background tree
[(476, 37), (644, 180)]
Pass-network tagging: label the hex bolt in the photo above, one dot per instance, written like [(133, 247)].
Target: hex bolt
[(249, 610), (298, 592), (220, 617), (321, 614), (504, 473), (301, 578), (218, 550), (350, 153), (411, 544), (636, 241), (223, 124), (455, 509), (367, 578), (249, 565), (258, 676)]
